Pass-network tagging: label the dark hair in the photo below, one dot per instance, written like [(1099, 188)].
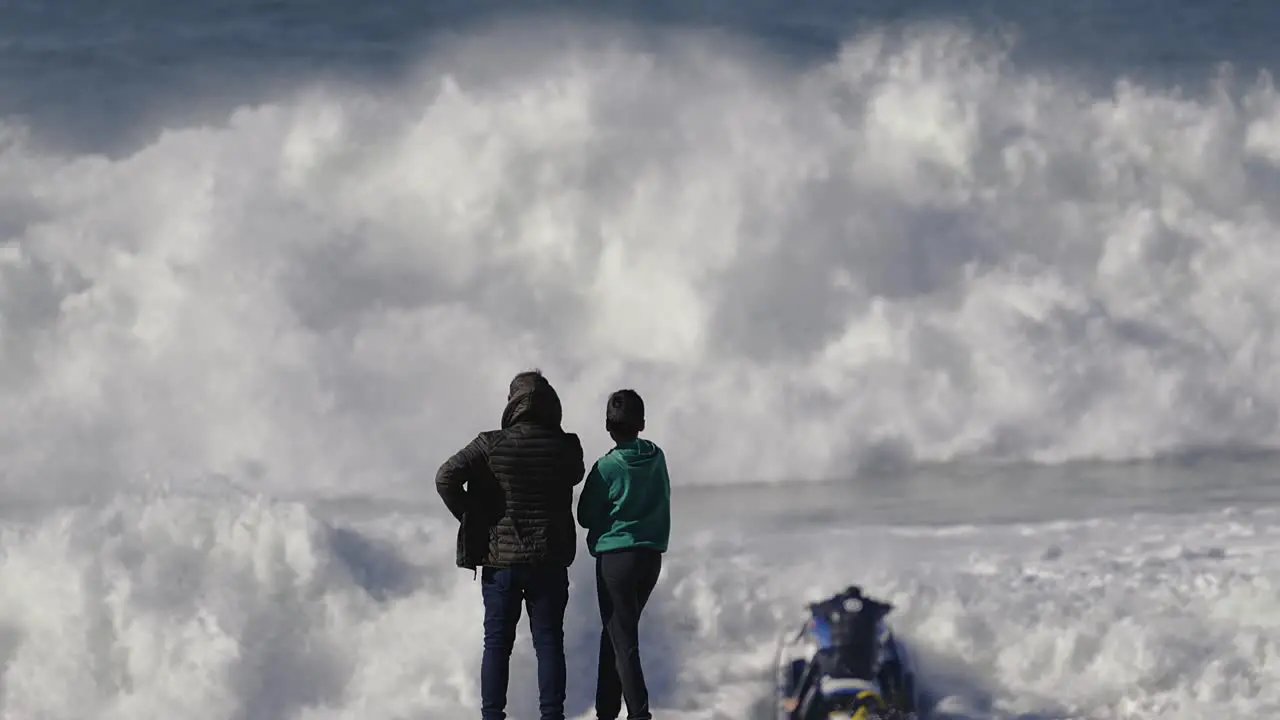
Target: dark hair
[(524, 380), (624, 414)]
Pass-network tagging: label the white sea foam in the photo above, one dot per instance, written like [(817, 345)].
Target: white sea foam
[(916, 251), (913, 251), (243, 608)]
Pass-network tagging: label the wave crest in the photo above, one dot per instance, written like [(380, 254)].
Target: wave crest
[(914, 252)]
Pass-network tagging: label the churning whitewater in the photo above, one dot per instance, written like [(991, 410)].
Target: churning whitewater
[(245, 608), (914, 252)]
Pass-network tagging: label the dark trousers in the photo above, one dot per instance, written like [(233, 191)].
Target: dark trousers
[(545, 591), (624, 581)]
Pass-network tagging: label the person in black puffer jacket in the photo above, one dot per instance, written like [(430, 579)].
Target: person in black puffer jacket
[(512, 493)]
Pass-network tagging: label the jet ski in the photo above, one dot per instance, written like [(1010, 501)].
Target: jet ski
[(844, 663)]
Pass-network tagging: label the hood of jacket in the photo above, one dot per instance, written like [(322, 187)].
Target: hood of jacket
[(636, 453), (532, 399)]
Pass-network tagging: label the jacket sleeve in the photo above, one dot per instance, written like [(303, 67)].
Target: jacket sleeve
[(593, 503), (575, 463), (456, 472)]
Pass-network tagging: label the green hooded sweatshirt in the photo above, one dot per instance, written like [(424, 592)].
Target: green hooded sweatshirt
[(626, 499)]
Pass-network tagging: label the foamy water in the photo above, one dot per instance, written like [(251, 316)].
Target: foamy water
[(913, 252), (252, 609), (916, 252)]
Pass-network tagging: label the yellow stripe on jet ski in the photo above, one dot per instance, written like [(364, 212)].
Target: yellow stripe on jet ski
[(869, 699)]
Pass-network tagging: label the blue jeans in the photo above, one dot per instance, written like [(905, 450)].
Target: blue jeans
[(545, 591)]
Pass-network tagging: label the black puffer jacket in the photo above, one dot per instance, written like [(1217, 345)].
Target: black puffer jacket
[(512, 489)]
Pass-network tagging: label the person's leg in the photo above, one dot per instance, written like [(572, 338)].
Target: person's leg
[(650, 569), (608, 684), (502, 598), (629, 577), (547, 595)]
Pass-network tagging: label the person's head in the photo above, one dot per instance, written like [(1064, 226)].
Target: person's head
[(525, 382), (531, 398), (624, 415)]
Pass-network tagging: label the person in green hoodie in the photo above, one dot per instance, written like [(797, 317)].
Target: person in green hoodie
[(625, 507)]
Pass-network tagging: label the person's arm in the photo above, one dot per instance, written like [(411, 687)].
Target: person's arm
[(575, 463), (666, 479), (456, 472), (593, 503), (806, 694)]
